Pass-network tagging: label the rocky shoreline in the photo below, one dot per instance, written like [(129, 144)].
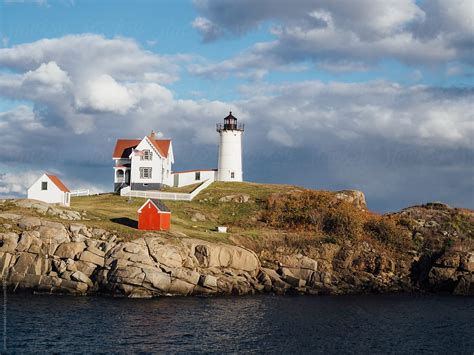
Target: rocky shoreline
[(41, 255)]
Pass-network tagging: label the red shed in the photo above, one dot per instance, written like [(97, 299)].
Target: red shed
[(154, 215)]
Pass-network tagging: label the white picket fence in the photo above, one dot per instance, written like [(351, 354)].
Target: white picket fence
[(177, 196), (77, 193)]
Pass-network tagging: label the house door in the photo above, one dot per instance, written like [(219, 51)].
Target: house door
[(127, 177)]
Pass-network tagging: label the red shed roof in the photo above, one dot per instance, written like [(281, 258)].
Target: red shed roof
[(58, 183), (124, 147)]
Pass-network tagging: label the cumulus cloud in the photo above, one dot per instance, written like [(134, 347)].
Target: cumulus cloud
[(294, 114), (16, 184), (103, 93), (363, 32)]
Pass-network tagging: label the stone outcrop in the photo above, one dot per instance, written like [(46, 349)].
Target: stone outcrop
[(48, 209), (45, 256), (355, 197), (48, 257)]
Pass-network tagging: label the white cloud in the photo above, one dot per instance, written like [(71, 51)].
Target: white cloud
[(103, 93), (206, 28), (364, 32), (16, 184)]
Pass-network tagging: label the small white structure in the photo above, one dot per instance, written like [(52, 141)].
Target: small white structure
[(189, 177), (49, 188), (230, 150)]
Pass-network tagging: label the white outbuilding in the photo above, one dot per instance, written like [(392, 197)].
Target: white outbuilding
[(49, 188)]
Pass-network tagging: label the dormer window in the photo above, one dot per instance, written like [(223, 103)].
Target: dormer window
[(147, 155)]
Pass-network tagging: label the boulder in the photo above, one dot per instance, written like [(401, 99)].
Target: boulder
[(277, 282), (39, 206), (70, 250), (187, 275), (79, 276), (208, 281), (36, 244), (59, 265), (237, 198), (465, 286), (23, 262), (165, 254), (244, 259), (95, 250), (98, 232), (5, 261), (53, 234), (74, 287), (216, 255), (354, 197), (8, 242), (85, 267), (158, 279), (198, 217), (91, 258), (134, 248), (10, 216), (467, 262), (29, 222), (180, 287), (40, 266)]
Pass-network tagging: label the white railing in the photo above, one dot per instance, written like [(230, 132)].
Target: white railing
[(177, 196), (76, 193), (201, 187)]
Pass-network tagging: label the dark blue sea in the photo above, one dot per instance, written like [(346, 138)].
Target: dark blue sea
[(263, 324)]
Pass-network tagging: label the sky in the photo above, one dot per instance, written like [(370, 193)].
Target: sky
[(369, 95)]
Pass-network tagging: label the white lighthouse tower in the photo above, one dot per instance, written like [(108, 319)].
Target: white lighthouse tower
[(230, 150)]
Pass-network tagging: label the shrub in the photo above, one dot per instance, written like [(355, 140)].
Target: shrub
[(389, 231), (314, 211)]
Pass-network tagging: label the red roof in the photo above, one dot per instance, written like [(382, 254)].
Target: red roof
[(162, 145), (123, 147), (58, 183)]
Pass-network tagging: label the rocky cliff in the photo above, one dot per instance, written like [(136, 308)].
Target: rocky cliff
[(39, 254)]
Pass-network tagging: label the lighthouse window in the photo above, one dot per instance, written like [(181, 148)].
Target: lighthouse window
[(232, 175), (197, 176), (145, 173)]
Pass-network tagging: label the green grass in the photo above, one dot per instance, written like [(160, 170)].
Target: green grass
[(113, 212)]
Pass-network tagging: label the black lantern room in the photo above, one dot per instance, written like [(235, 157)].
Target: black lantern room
[(230, 124)]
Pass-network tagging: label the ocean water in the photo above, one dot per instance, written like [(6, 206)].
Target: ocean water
[(265, 324)]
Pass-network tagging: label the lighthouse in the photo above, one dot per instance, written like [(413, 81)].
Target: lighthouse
[(230, 149)]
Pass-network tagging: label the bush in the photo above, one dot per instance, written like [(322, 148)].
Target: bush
[(314, 211), (389, 231)]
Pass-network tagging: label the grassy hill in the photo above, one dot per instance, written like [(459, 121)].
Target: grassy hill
[(198, 218), (269, 217)]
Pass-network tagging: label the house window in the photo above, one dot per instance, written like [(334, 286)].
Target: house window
[(145, 173), (232, 175), (44, 185), (197, 175), (147, 155)]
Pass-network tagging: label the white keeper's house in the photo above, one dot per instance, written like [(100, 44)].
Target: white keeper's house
[(49, 188), (146, 164)]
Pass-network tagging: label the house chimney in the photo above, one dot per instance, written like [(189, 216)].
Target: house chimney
[(152, 135)]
